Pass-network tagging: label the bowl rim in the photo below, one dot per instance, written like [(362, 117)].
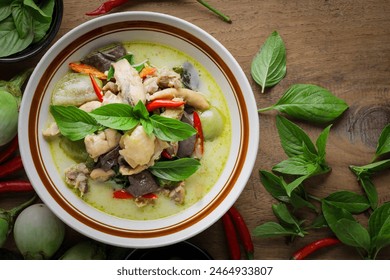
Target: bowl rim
[(163, 236), (35, 48)]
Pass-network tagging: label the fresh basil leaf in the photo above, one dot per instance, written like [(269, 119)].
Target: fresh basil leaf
[(5, 9), (175, 170), (168, 129), (117, 116), (269, 65), (290, 187), (370, 169), (41, 26), (37, 12), (333, 213), (350, 201), (383, 146), (110, 73), (9, 38), (370, 190), (379, 226), (73, 122), (272, 229), (22, 19), (295, 166), (321, 142), (275, 187), (286, 218), (352, 233), (292, 137), (310, 103)]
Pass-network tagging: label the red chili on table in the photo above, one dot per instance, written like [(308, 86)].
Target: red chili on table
[(16, 186), (231, 237), (9, 149), (243, 232), (313, 247), (11, 166), (105, 7)]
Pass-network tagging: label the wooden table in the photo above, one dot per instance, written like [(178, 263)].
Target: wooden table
[(341, 45)]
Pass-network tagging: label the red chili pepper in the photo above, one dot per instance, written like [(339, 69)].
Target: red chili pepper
[(199, 135), (231, 237), (123, 194), (9, 149), (106, 7), (11, 166), (166, 154), (243, 231), (16, 186), (163, 103), (314, 246), (96, 88)]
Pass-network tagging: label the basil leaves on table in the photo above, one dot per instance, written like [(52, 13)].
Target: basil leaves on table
[(383, 146), (309, 102), (269, 65), (23, 22), (75, 123)]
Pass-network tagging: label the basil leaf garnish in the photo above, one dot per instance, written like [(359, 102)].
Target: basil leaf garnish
[(310, 103), (169, 129), (175, 170), (73, 122), (117, 116), (269, 65)]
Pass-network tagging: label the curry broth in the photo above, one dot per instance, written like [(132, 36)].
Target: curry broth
[(214, 159)]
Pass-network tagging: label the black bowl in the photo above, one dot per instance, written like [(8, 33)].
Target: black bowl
[(37, 47), (179, 251)]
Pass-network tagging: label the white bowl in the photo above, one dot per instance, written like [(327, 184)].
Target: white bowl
[(158, 28)]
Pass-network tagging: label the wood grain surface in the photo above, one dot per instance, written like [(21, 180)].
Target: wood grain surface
[(342, 45)]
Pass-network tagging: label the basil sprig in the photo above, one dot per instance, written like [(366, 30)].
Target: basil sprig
[(23, 22), (269, 65), (305, 159), (383, 146), (310, 103), (75, 123), (175, 170)]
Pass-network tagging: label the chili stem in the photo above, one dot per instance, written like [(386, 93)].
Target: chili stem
[(215, 11)]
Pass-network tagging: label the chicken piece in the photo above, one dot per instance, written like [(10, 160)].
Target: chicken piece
[(101, 143), (168, 78), (77, 176), (150, 84), (174, 113), (178, 194), (130, 86), (100, 175), (192, 98), (51, 131), (90, 106), (139, 151), (137, 147), (110, 98), (111, 86)]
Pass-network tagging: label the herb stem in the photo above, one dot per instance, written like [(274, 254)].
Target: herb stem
[(314, 197), (265, 109), (215, 11)]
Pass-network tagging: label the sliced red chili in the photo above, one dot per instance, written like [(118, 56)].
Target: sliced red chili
[(16, 186), (199, 134), (243, 232), (313, 247), (123, 194), (166, 154), (96, 88), (9, 149), (11, 166), (231, 237), (163, 103), (105, 7)]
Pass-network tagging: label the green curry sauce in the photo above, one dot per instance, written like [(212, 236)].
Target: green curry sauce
[(216, 149)]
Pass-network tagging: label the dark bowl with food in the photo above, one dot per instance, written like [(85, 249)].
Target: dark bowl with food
[(39, 38)]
